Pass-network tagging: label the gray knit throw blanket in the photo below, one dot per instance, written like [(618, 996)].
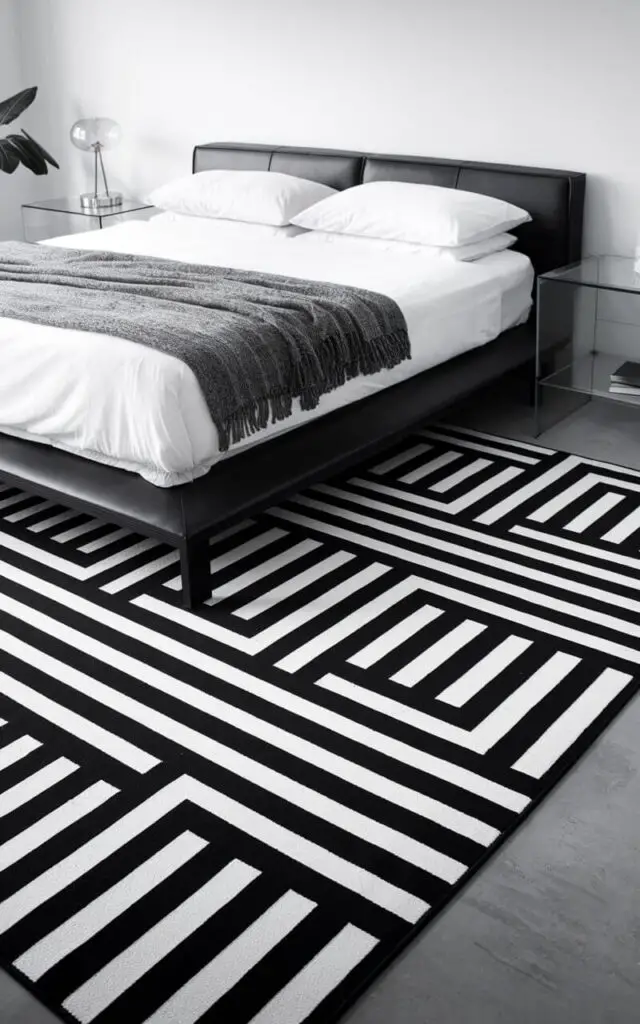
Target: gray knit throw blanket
[(254, 341)]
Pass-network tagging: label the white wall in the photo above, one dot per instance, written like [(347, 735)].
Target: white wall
[(545, 82), (11, 185)]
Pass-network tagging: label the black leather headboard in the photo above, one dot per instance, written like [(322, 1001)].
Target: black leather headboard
[(555, 199)]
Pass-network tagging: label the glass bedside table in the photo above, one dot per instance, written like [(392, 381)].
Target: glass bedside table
[(588, 324), (48, 218)]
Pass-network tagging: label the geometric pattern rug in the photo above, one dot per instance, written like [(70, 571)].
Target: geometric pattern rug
[(241, 814)]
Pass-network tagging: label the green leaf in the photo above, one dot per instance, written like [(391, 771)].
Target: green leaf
[(41, 150), (15, 105), (27, 155), (9, 158)]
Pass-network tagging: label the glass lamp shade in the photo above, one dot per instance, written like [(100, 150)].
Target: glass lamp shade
[(87, 133)]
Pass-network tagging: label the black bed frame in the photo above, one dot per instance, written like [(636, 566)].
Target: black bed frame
[(187, 516)]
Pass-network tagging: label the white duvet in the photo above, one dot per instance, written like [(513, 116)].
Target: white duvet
[(129, 406)]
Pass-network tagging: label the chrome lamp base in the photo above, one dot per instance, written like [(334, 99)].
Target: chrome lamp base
[(100, 201)]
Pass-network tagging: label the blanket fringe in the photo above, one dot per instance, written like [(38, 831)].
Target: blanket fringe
[(373, 355)]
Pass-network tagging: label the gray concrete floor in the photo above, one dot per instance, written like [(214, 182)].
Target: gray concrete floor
[(548, 932)]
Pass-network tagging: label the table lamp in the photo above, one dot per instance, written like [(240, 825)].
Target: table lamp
[(97, 133)]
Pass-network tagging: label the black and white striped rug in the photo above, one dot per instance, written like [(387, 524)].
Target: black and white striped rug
[(241, 814)]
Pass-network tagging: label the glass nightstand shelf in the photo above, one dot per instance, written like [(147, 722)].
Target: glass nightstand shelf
[(588, 324), (46, 218)]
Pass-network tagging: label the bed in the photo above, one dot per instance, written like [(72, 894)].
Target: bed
[(370, 412)]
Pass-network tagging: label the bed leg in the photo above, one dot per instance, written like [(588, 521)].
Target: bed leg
[(194, 567)]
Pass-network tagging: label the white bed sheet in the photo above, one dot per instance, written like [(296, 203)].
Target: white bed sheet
[(130, 406)]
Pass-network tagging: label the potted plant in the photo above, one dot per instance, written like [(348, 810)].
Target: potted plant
[(21, 149)]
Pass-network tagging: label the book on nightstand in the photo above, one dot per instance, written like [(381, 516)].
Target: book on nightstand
[(626, 379)]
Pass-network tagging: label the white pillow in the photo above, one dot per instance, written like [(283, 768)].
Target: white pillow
[(362, 245), (260, 197), (211, 227), (406, 212)]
